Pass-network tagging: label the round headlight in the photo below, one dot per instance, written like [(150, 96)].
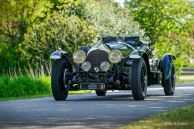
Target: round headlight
[(79, 56), (115, 56), (104, 66), (86, 66)]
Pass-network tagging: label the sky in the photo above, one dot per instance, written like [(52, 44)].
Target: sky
[(120, 2)]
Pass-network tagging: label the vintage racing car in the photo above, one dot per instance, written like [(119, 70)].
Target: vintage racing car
[(116, 63)]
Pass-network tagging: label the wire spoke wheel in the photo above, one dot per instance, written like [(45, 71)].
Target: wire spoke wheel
[(139, 79), (169, 84), (59, 80), (144, 80)]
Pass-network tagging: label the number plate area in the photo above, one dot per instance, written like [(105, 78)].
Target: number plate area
[(92, 86)]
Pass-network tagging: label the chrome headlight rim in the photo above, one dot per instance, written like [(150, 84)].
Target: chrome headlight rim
[(86, 66), (106, 64), (113, 55), (77, 59)]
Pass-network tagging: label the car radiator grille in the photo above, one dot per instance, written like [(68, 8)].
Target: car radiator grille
[(95, 58)]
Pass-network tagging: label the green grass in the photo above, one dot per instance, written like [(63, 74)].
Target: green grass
[(81, 91), (22, 87), (182, 118), (185, 78)]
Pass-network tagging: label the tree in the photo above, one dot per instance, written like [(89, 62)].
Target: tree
[(74, 23), (166, 23), (57, 31), (111, 19), (161, 17), (17, 15), (31, 30)]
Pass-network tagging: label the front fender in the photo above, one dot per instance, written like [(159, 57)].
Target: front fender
[(57, 55), (167, 64), (62, 54), (136, 54)]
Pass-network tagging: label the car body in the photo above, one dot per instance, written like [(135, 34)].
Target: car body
[(116, 63)]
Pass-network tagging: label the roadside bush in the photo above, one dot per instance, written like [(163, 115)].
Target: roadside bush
[(42, 26), (177, 45), (58, 31), (22, 86), (75, 23)]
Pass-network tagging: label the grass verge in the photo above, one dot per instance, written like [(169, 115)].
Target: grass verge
[(182, 118), (22, 87), (185, 79)]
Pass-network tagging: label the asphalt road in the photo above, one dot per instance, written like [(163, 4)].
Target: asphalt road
[(89, 111)]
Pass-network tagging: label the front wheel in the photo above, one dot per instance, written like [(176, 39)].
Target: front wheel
[(59, 80), (139, 79)]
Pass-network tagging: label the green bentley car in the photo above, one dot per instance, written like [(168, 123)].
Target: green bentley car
[(115, 63)]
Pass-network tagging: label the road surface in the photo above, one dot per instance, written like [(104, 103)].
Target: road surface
[(89, 111)]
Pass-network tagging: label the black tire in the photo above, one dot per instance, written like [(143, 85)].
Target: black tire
[(58, 81), (169, 84), (100, 92), (139, 79)]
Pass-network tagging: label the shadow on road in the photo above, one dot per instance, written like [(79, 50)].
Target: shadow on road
[(88, 110), (118, 96)]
